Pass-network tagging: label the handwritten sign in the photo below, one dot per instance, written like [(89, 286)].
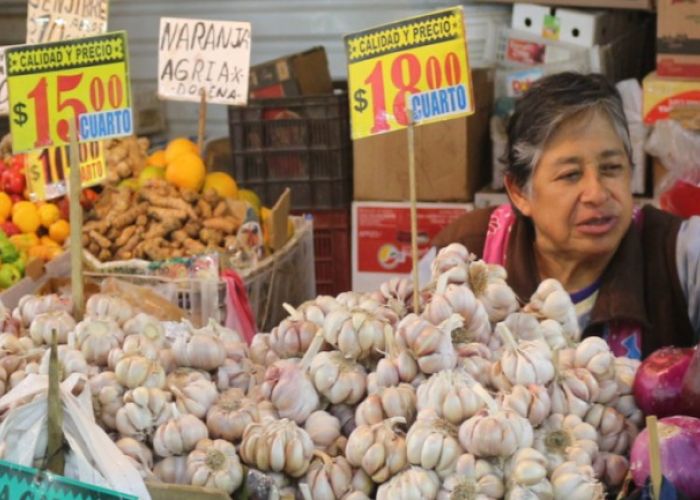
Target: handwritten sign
[(85, 79), (211, 55), (420, 62), (54, 20)]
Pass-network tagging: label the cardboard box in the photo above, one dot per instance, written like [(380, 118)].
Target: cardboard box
[(678, 39), (597, 4), (452, 157), (305, 73), (664, 95), (577, 27), (381, 238)]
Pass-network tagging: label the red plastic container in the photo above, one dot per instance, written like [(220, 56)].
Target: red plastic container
[(682, 199), (332, 251)]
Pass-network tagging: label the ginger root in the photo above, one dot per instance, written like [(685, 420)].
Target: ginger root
[(227, 225)]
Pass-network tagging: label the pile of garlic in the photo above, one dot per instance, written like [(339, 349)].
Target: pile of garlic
[(358, 396)]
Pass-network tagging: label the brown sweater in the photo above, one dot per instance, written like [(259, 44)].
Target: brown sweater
[(640, 284)]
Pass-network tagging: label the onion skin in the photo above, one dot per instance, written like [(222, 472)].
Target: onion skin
[(679, 445), (691, 386), (659, 380)]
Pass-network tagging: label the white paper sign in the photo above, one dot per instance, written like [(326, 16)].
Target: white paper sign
[(3, 84), (54, 20), (196, 54)]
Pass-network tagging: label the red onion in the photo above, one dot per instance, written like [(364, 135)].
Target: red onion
[(691, 387), (679, 445), (659, 379)]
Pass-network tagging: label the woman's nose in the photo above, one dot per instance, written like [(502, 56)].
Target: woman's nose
[(594, 190)]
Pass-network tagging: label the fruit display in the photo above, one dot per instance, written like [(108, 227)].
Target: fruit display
[(358, 396)]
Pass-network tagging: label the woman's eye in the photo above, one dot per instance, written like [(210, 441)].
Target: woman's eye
[(569, 176), (611, 169)]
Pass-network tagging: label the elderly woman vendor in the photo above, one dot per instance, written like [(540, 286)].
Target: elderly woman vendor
[(634, 275)]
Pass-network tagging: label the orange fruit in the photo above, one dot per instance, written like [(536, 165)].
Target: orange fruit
[(21, 204), (178, 147), (59, 231), (157, 159), (5, 206), (186, 171), (27, 219), (222, 183), (48, 214)]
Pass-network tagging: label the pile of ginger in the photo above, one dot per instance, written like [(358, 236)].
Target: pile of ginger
[(159, 222)]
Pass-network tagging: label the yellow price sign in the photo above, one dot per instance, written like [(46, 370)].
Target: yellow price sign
[(86, 80), (48, 170), (419, 63)]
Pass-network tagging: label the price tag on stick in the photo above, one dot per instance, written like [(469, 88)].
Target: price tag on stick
[(86, 80), (422, 60)]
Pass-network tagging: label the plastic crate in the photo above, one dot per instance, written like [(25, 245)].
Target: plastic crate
[(298, 142), (332, 251)]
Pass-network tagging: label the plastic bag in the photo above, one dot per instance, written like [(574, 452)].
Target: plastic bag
[(92, 458), (679, 150), (239, 314)]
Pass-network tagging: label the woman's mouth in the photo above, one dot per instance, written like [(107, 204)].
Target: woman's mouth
[(596, 226)]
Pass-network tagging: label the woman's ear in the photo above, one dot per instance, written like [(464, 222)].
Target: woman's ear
[(518, 196)]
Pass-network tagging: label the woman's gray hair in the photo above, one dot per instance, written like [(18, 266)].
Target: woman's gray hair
[(546, 105)]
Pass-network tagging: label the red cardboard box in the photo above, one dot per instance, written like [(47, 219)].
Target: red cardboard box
[(678, 38)]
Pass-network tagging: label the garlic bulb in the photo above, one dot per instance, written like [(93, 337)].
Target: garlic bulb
[(610, 468), (30, 306), (378, 449), (413, 483), (166, 358), (625, 371), (522, 363), (316, 310), (397, 293), (141, 455), (494, 432), (136, 371), (323, 429), (456, 299), (70, 361), (148, 326), (488, 282), (201, 351), (105, 306), (240, 373), (562, 438), (610, 425), (288, 386), (576, 482), (357, 334), (95, 338), (44, 324), (346, 416), (3, 379), (553, 334), (143, 410), (531, 402), (178, 435), (19, 375), (232, 412), (215, 464), (627, 406), (387, 402), (573, 391), (450, 394), (473, 478), (432, 443), (140, 344), (395, 367), (329, 478), (475, 360), (260, 351), (293, 336), (172, 470), (594, 354), (430, 345), (277, 445), (551, 301), (453, 255), (13, 352), (338, 379), (193, 394), (107, 398), (527, 475)]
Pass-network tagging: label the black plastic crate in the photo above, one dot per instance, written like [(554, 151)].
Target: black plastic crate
[(298, 142)]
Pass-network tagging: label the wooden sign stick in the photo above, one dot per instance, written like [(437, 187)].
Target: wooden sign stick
[(654, 456), (76, 226), (414, 211), (54, 448), (201, 130)]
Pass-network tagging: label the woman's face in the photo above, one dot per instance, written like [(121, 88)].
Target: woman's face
[(580, 199)]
